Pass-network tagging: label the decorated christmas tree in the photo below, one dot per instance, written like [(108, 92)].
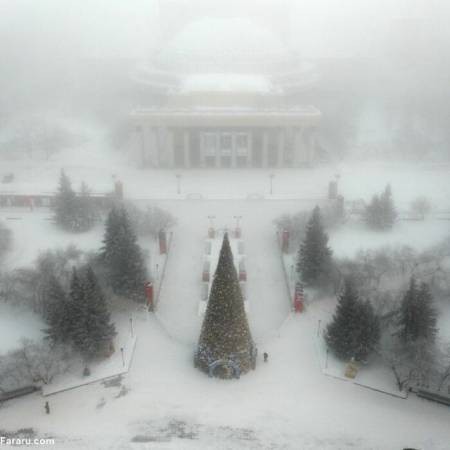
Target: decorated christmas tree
[(225, 347)]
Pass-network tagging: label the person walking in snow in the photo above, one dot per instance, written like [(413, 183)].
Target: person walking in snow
[(266, 357), (47, 408)]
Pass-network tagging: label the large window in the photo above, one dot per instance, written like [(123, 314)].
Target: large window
[(242, 149), (289, 144), (242, 142), (209, 144)]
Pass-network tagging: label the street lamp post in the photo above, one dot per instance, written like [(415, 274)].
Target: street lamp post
[(178, 176), (211, 231), (211, 221), (271, 176)]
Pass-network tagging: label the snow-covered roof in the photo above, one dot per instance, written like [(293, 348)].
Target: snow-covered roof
[(237, 37), (223, 44), (220, 82)]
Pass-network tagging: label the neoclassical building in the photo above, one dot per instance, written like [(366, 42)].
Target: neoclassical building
[(223, 92)]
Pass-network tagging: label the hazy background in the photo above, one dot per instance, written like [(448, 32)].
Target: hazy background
[(383, 63)]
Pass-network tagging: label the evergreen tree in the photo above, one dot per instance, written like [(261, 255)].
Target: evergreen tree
[(91, 330), (100, 330), (57, 311), (314, 256), (417, 316), (72, 212), (373, 214), (225, 333), (65, 204), (387, 207), (354, 330), (380, 214), (122, 257), (86, 215), (77, 331)]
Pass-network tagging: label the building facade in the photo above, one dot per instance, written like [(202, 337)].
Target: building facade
[(224, 94)]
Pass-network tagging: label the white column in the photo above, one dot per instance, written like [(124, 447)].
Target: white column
[(201, 139), (151, 150), (158, 139), (265, 148), (281, 140), (140, 146), (217, 149), (233, 150), (169, 148), (187, 153), (311, 145), (299, 147), (250, 148)]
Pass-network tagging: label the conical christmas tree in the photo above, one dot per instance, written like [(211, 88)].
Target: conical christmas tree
[(225, 347)]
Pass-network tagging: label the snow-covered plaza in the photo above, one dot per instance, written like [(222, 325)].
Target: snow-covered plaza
[(289, 402), (224, 224)]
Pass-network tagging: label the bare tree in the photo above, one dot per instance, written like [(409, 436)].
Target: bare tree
[(5, 240), (34, 363), (421, 206)]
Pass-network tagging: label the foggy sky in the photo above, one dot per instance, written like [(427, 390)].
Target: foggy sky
[(49, 29)]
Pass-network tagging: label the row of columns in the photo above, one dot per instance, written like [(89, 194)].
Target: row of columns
[(157, 149)]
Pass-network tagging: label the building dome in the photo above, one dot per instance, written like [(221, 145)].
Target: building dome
[(225, 44)]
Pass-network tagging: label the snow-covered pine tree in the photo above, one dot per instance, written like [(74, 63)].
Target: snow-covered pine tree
[(65, 204), (314, 255), (380, 214), (57, 311), (373, 214), (225, 334), (367, 332), (122, 257), (74, 212), (86, 216), (78, 332), (387, 208), (339, 332), (417, 318), (354, 330), (100, 330)]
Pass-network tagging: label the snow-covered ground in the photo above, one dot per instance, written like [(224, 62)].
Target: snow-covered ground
[(284, 404), (164, 402), (420, 235), (17, 324), (96, 164)]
